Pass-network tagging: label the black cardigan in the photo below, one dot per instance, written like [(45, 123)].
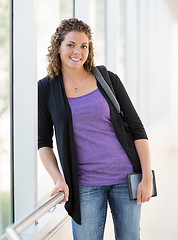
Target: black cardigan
[(54, 112)]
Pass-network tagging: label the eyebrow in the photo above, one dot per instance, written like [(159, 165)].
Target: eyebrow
[(75, 43)]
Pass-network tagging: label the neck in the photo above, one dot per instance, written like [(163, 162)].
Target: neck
[(72, 74)]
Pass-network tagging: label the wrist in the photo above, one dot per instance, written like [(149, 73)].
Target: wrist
[(58, 178), (147, 175)]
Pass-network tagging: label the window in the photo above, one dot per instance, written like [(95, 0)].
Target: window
[(98, 27), (5, 116)]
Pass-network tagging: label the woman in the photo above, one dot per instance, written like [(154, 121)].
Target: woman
[(92, 149)]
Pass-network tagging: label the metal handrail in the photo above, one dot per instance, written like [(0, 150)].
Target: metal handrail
[(15, 230)]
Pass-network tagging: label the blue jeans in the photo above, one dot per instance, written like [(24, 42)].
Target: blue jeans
[(125, 213)]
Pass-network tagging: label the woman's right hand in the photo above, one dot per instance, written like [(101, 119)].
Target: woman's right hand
[(61, 186), (50, 163)]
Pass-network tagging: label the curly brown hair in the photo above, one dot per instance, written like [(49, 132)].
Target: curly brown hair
[(66, 26)]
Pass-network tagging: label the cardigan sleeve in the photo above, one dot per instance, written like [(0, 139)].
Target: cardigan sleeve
[(45, 124), (130, 115)]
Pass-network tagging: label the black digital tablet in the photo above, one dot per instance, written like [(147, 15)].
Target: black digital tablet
[(134, 179)]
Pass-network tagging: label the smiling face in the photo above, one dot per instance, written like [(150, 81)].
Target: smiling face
[(74, 50)]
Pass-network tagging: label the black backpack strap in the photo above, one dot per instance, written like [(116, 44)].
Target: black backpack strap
[(106, 84), (103, 70)]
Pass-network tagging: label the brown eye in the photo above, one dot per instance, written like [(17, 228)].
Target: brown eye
[(70, 45)]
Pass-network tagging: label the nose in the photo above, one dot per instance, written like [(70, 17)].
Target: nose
[(76, 50)]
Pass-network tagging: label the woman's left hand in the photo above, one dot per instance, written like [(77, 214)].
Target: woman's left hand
[(144, 191)]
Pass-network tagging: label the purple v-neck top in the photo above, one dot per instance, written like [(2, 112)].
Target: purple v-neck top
[(101, 160)]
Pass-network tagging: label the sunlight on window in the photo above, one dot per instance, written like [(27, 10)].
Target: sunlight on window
[(5, 182), (98, 26)]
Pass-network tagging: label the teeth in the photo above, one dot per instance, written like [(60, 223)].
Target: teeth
[(75, 59)]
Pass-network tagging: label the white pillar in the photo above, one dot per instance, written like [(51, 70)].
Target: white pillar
[(112, 39), (25, 117), (82, 10), (131, 48)]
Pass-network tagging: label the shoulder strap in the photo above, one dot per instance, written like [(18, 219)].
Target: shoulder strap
[(103, 70), (105, 85)]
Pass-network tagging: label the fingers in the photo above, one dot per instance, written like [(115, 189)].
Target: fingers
[(142, 196), (66, 193), (61, 188), (139, 196)]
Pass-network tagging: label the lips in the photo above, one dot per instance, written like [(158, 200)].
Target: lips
[(75, 59)]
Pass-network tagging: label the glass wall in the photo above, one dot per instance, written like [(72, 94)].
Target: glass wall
[(5, 163), (98, 27), (120, 62), (66, 9)]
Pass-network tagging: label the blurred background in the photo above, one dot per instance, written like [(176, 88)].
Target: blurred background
[(136, 39)]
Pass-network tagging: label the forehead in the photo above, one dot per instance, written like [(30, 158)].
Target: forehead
[(75, 36)]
